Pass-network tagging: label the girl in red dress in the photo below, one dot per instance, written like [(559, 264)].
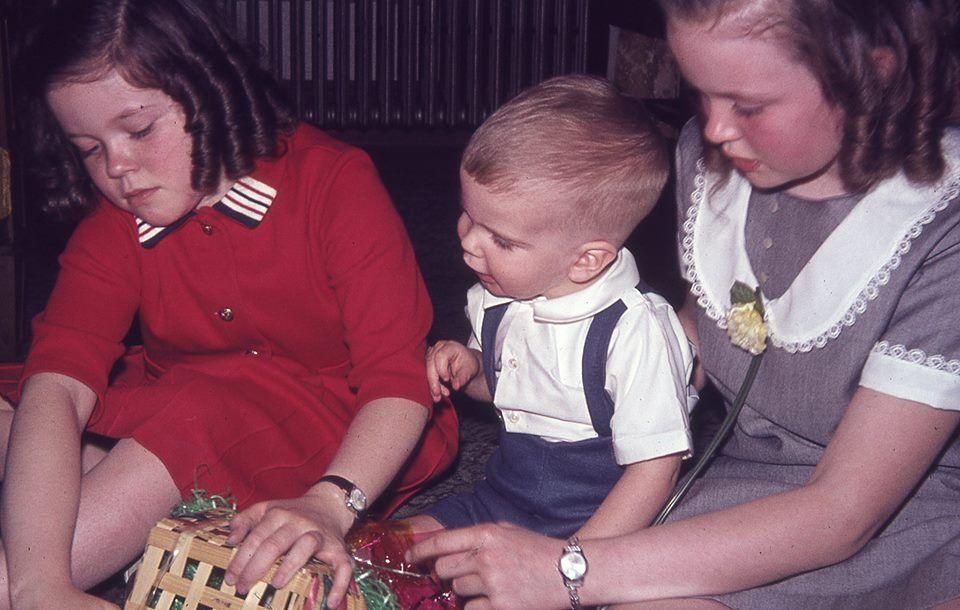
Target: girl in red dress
[(282, 313)]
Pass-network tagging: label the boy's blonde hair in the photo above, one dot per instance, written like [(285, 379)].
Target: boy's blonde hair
[(577, 140)]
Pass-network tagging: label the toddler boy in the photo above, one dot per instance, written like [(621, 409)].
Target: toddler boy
[(588, 370)]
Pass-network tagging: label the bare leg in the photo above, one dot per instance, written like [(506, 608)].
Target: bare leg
[(91, 453), (672, 604), (121, 499)]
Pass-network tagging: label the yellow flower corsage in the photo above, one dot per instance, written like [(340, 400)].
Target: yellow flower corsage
[(745, 323)]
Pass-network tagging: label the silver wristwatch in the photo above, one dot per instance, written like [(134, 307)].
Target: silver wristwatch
[(573, 567), (356, 500)]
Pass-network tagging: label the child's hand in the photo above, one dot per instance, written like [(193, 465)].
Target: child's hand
[(450, 363)]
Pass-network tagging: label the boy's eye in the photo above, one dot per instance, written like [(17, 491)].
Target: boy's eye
[(501, 242), (747, 110)]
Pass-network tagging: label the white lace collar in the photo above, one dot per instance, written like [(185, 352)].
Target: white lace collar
[(842, 277)]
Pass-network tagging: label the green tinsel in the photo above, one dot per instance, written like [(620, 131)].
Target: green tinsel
[(202, 502), (375, 592)]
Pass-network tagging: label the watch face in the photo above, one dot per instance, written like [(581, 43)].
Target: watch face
[(357, 500), (573, 565)]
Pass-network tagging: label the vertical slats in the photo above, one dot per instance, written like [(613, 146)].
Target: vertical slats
[(562, 37), (274, 40), (408, 53), (475, 20), (518, 46), (499, 39), (253, 24), (453, 110), (431, 40), (541, 33), (317, 60), (297, 37), (341, 44), (385, 56), (583, 31), (364, 59), (413, 63)]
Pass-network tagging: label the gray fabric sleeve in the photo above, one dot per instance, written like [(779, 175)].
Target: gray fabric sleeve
[(918, 356)]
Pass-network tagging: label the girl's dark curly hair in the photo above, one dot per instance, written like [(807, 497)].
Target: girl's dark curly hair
[(892, 66), (235, 111)]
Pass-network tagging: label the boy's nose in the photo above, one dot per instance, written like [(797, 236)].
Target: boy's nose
[(466, 235)]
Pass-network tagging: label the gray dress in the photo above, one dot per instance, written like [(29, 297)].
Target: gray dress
[(859, 291)]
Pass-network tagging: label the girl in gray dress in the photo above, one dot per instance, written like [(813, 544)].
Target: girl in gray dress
[(825, 171)]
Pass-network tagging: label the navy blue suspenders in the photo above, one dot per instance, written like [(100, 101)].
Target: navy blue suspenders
[(594, 366)]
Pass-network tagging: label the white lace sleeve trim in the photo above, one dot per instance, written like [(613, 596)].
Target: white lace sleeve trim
[(911, 374), (918, 357)]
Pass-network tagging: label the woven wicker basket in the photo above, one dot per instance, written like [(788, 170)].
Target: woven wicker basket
[(183, 567)]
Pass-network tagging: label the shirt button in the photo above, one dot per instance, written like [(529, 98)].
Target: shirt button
[(512, 363), (774, 205), (207, 229), (253, 352), (767, 243), (226, 314), (513, 417)]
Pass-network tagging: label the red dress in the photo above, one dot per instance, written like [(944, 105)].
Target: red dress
[(267, 320)]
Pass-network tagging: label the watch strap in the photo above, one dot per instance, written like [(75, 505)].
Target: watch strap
[(572, 585), (349, 489)]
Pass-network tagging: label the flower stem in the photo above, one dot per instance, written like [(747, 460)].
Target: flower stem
[(718, 438)]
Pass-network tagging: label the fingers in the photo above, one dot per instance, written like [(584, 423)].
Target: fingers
[(440, 358), (449, 362), (259, 551), (470, 585), (342, 576), (438, 370), (243, 522), (298, 555), (447, 542), (282, 531)]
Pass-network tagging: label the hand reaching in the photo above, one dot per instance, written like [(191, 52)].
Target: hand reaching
[(450, 365), (498, 566), (300, 528)]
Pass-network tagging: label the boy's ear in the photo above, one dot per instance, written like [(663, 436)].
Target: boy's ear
[(594, 257)]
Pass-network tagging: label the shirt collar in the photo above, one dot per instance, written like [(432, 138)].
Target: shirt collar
[(620, 276), (247, 202)]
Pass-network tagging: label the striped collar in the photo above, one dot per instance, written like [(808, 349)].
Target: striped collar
[(247, 202)]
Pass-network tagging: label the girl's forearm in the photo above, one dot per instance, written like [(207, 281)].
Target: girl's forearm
[(721, 552), (42, 487), (378, 442), (635, 500)]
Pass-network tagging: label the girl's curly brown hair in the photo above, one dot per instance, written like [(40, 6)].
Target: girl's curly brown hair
[(235, 111), (892, 66)]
